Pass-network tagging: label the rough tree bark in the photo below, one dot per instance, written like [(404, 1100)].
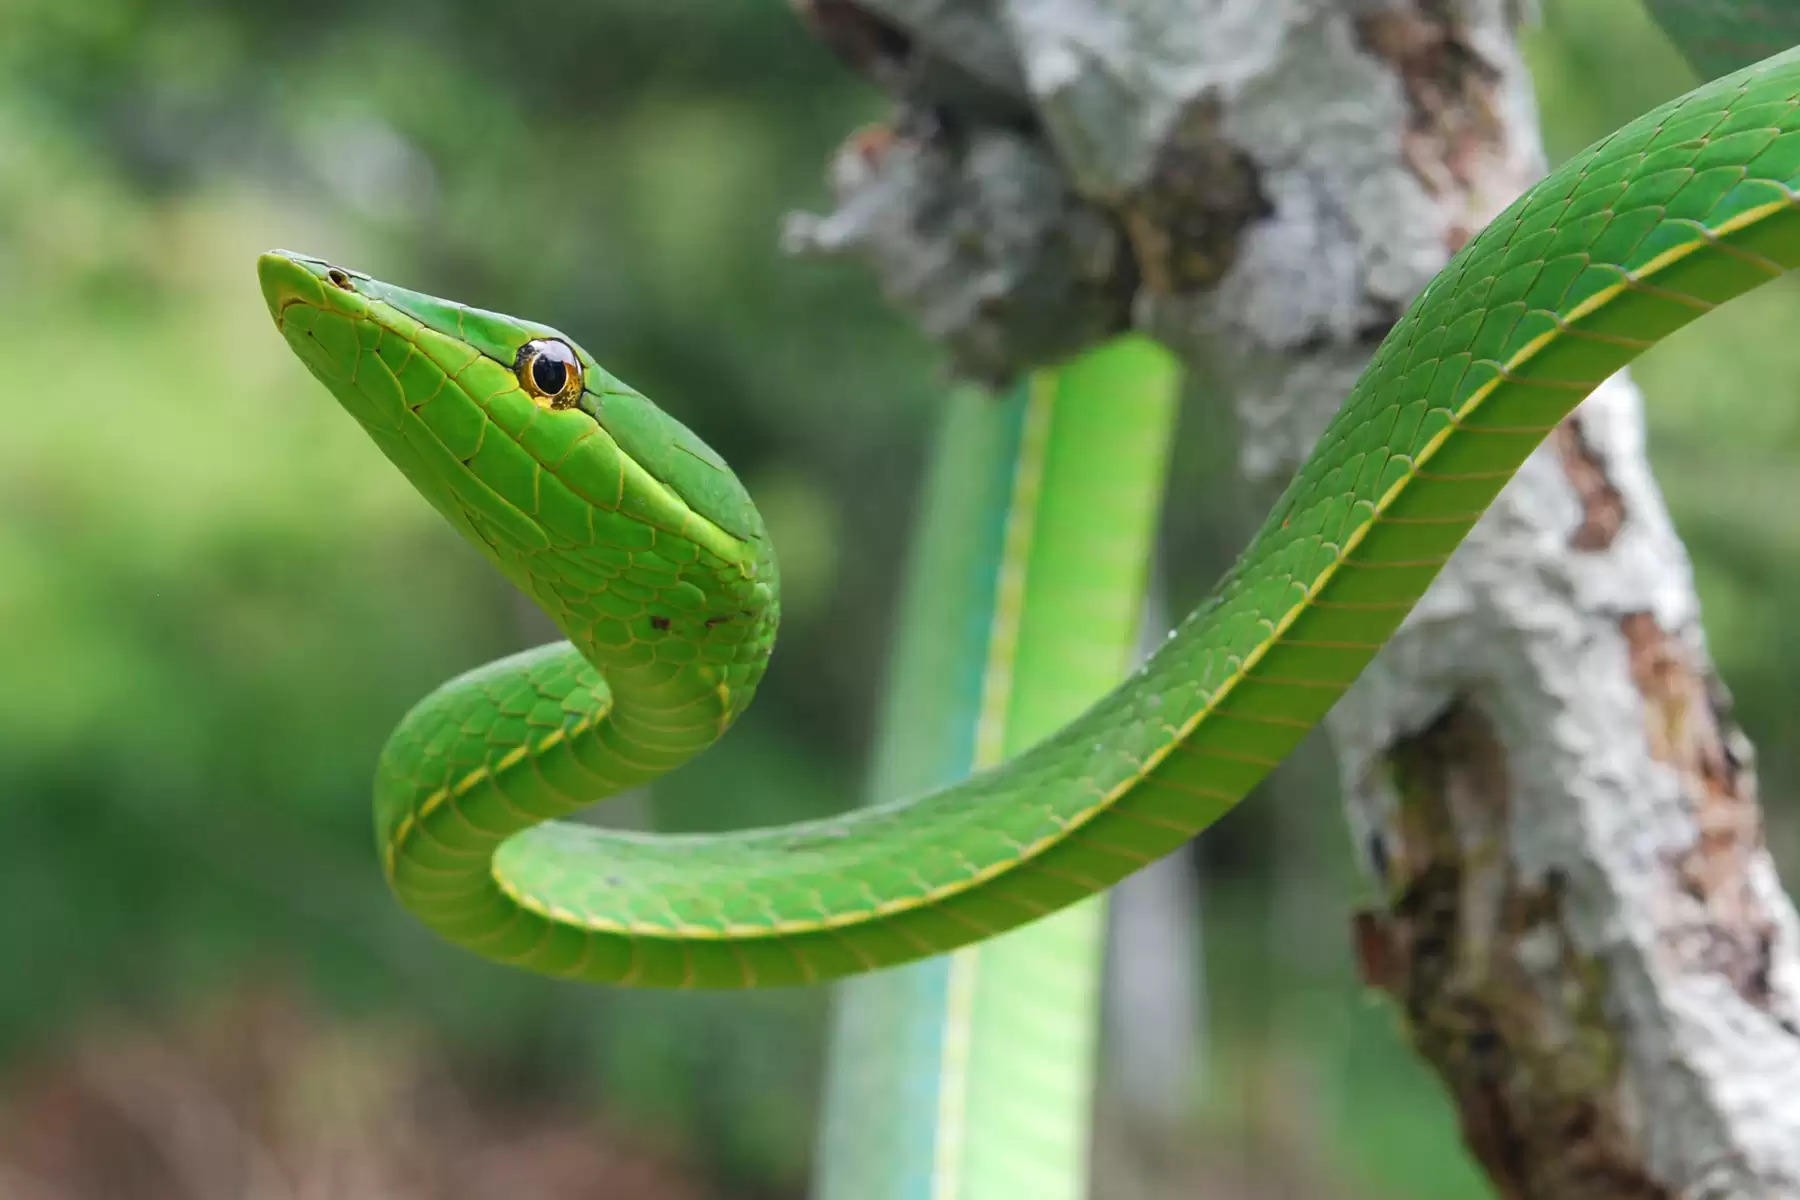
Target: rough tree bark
[(1577, 915)]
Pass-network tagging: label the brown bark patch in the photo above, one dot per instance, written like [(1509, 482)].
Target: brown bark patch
[(1454, 124), (1185, 221), (1718, 923), (1495, 995), (1602, 505)]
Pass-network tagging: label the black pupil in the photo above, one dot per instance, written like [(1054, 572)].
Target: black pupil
[(549, 374)]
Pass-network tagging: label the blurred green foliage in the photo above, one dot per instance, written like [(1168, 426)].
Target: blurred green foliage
[(215, 598)]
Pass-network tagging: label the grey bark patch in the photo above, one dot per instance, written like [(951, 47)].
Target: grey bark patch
[(977, 235), (1048, 163)]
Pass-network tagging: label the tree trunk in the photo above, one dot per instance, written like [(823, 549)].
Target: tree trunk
[(1577, 913)]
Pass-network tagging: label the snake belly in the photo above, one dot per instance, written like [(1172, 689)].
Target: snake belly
[(649, 556)]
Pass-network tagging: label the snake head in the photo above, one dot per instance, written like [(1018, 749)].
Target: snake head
[(387, 352), (562, 474)]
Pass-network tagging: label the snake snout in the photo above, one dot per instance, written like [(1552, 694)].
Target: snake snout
[(298, 291), (286, 280)]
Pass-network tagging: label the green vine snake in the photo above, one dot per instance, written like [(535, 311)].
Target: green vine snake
[(650, 557)]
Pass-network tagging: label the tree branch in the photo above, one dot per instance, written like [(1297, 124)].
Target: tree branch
[(1577, 914)]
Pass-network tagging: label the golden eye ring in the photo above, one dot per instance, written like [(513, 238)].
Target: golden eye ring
[(550, 372)]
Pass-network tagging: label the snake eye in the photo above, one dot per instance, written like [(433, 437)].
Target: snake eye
[(549, 372)]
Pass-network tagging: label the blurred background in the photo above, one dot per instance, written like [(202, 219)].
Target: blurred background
[(216, 598)]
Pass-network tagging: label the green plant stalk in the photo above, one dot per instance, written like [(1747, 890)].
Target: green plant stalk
[(970, 1076)]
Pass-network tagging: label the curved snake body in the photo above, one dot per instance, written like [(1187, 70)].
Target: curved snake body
[(647, 553)]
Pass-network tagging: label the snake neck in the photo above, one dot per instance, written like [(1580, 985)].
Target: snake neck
[(679, 634)]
